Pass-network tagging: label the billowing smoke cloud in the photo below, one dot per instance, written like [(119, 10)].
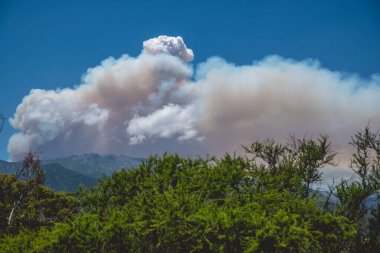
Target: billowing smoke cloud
[(166, 122), (154, 103), (169, 45)]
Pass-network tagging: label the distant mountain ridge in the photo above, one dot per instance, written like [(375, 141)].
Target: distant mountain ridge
[(95, 165), (70, 172), (59, 178)]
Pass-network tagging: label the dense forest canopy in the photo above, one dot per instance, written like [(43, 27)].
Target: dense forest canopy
[(260, 202)]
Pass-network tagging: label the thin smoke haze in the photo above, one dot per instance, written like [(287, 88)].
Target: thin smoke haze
[(157, 102)]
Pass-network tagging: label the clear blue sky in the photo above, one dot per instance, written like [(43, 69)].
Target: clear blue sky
[(50, 44)]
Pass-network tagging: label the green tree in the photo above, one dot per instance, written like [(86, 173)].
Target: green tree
[(352, 196), (26, 203), (173, 204), (295, 166)]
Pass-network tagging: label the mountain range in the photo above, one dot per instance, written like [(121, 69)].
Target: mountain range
[(70, 172)]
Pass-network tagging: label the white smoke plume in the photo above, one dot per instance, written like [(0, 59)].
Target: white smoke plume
[(154, 103), (169, 45), (166, 122)]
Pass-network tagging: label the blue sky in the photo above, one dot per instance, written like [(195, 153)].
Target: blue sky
[(51, 44)]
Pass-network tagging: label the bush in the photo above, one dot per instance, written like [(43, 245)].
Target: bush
[(172, 204)]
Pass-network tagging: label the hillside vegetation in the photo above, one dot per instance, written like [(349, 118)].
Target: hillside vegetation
[(261, 202)]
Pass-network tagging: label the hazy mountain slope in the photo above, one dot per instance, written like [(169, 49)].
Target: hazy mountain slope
[(95, 165), (59, 178), (68, 173), (8, 167)]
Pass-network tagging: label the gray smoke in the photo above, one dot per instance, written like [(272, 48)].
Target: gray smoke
[(154, 103)]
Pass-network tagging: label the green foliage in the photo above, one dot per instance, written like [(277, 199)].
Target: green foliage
[(26, 204), (352, 196), (40, 207), (294, 166), (172, 204)]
